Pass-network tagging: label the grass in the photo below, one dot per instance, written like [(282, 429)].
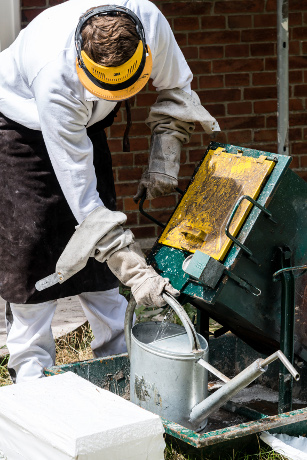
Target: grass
[(75, 346)]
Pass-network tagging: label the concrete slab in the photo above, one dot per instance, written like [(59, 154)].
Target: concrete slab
[(68, 317)]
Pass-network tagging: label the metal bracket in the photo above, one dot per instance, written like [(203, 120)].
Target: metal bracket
[(233, 212), (144, 213)]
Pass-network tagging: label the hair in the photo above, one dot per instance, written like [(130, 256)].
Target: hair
[(110, 40)]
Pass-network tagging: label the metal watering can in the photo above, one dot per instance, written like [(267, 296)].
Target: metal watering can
[(169, 375)]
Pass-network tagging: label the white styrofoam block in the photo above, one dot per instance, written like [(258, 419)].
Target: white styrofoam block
[(66, 417)]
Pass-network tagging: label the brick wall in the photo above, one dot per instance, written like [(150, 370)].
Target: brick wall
[(230, 46)]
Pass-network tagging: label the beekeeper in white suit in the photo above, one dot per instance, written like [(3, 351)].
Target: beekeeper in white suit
[(60, 84)]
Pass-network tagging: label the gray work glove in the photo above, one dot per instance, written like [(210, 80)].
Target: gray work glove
[(129, 266), (161, 176), (171, 121)]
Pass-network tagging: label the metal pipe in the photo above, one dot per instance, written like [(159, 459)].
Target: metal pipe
[(226, 392), (240, 381), (279, 354), (283, 77), (128, 323), (195, 345), (213, 371)]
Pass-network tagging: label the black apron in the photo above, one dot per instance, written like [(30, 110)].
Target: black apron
[(36, 222)]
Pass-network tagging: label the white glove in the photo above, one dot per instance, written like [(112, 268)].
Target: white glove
[(129, 266)]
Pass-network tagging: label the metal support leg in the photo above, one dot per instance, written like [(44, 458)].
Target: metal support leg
[(286, 333), (202, 326)]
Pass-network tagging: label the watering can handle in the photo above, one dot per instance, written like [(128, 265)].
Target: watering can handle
[(179, 310)]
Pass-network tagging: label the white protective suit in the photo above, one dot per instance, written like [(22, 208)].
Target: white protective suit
[(40, 89)]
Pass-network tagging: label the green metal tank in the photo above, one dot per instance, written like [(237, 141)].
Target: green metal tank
[(242, 218)]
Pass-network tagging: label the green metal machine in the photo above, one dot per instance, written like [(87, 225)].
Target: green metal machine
[(241, 221)]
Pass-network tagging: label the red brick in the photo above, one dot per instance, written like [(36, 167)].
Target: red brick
[(295, 163), (145, 99), (214, 38), (129, 174), (132, 219), (298, 148), (295, 19), (237, 6), (211, 81), (238, 65), (265, 106), (138, 114), (298, 119), (252, 122), (186, 170), (130, 205), (240, 22), (200, 67), (28, 15), (265, 20), (181, 39), (239, 79), (216, 110), (240, 137), (119, 204), (296, 76), (237, 50), (218, 136), (300, 91), (213, 22), (298, 62), (117, 130), (305, 18), (168, 201), (190, 52), (262, 49), (302, 174), (187, 23), (122, 159), (211, 52), (298, 5), (115, 145), (305, 133), (264, 78), (55, 2), (197, 8), (296, 104), (265, 135), (141, 158), (139, 143), (258, 35), (124, 190), (139, 129), (239, 108), (271, 5), (144, 232), (162, 216), (271, 121), (295, 133), (220, 95), (196, 155), (195, 140), (294, 47), (31, 3), (271, 63), (265, 92)]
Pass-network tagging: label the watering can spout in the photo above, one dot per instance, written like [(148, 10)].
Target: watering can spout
[(233, 386)]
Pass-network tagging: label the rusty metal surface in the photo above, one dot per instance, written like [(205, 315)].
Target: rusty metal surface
[(233, 432), (200, 218)]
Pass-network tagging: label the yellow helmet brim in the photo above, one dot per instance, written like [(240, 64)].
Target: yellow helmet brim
[(118, 95)]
